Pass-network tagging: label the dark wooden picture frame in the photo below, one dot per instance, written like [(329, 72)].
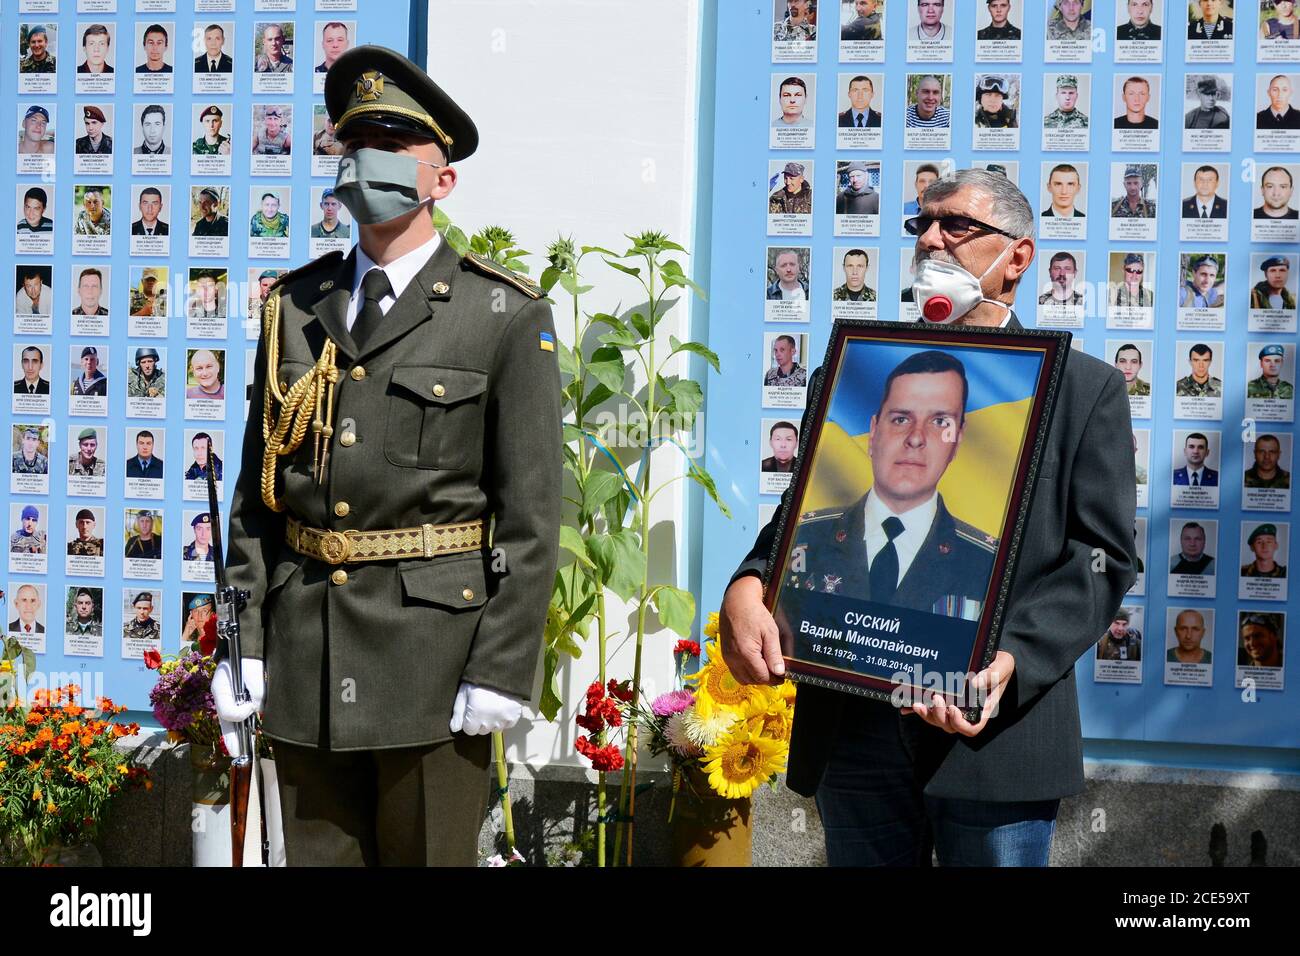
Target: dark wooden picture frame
[(945, 614)]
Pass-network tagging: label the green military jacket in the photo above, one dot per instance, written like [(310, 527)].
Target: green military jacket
[(448, 412)]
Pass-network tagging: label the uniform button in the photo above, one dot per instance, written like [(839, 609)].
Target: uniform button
[(339, 577), (347, 439), (467, 594), (342, 508), (439, 391), (358, 373), (284, 386)]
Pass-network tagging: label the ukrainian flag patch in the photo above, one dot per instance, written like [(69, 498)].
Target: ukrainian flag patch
[(546, 342)]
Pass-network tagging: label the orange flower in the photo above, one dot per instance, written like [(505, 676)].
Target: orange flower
[(62, 742), (87, 740), (37, 795), (72, 728)]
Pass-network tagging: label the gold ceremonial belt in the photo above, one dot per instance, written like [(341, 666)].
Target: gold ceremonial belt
[(344, 547)]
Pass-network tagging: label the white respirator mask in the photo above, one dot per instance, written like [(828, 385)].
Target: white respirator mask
[(945, 291)]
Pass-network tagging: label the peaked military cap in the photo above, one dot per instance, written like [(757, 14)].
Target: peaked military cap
[(1208, 85), (374, 86), (1272, 261), (1262, 529)]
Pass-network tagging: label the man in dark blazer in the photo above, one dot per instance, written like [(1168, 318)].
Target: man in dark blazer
[(1205, 203), (1279, 113), (445, 416), (1196, 450), (860, 114), (212, 59), (32, 382), (884, 778)]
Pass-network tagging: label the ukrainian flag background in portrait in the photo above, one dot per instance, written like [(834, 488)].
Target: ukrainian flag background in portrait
[(977, 485)]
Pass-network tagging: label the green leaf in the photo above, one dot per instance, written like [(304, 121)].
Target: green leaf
[(697, 349), (601, 249), (569, 283), (594, 398), (572, 433), (676, 609), (601, 486), (670, 267), (604, 318), (457, 239), (705, 481), (681, 280), (623, 338), (550, 276), (619, 558), (565, 356), (607, 366), (29, 663), (551, 702), (640, 324), (688, 397), (629, 270), (571, 541)]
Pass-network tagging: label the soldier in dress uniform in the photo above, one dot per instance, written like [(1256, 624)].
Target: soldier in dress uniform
[(28, 460), (1209, 115), (388, 639), (85, 543), (29, 539), (142, 627), (898, 544), (1066, 115), (993, 112), (213, 142), (1263, 541), (1269, 383)]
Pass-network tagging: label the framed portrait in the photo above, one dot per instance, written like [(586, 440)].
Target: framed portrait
[(911, 487)]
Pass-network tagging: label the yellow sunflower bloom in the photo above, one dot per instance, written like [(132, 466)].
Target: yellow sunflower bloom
[(742, 761), (770, 719), (711, 628)]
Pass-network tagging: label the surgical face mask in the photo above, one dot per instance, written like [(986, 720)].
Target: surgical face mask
[(377, 185), (945, 291)]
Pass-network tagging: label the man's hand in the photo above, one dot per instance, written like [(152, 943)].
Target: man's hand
[(751, 644), (482, 710), (992, 681)]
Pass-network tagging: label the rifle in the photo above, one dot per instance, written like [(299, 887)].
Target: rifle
[(230, 601)]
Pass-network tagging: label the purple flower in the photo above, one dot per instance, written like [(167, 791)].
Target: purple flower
[(674, 702)]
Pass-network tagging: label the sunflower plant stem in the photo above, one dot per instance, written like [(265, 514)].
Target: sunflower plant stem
[(601, 798), (643, 515), (503, 787)]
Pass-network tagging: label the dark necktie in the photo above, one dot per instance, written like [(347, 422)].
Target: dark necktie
[(884, 570), (859, 121), (212, 66), (1196, 479), (374, 287), (1205, 213)]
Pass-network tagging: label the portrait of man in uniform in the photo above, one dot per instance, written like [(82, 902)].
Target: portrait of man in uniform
[(785, 370), (1133, 292), (1000, 26), (1272, 292), (1265, 470), (1208, 22), (32, 362), (1062, 270), (1262, 542), (1122, 641), (854, 288), (95, 142), (29, 459), (198, 469), (94, 218), (85, 461), (38, 57), (334, 42), (860, 114), (90, 291), (145, 540), (214, 59), (1269, 383), (1199, 382), (144, 463), (1194, 470), (272, 136), (272, 57), (1205, 202), (142, 626), (85, 544), (1207, 114), (867, 22), (1128, 359), (210, 221), (84, 613), (1202, 290), (1067, 20), (783, 439), (1278, 113), (30, 537), (795, 196), (213, 142), (151, 207), (330, 226), (91, 381), (200, 546), (1139, 25)]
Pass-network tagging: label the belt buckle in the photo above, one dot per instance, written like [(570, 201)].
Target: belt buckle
[(427, 541), (334, 547)]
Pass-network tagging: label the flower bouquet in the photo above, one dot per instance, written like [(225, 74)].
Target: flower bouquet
[(182, 698), (59, 771)]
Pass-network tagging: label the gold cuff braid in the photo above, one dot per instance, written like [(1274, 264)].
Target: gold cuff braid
[(299, 405)]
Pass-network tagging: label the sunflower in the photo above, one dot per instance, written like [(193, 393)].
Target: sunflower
[(711, 628), (718, 689), (742, 761), (770, 719)]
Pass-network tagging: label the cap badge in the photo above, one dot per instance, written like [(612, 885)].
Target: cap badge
[(370, 86)]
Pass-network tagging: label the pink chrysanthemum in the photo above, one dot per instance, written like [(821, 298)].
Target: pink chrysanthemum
[(674, 702)]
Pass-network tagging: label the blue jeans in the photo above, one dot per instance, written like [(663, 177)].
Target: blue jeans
[(874, 813)]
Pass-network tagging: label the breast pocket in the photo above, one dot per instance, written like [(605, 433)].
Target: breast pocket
[(435, 416)]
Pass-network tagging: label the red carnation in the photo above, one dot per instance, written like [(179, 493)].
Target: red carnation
[(208, 642), (152, 659), (687, 647)]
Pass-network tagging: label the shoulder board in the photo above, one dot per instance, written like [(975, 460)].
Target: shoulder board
[(819, 515), (521, 282), (976, 537), (330, 258)]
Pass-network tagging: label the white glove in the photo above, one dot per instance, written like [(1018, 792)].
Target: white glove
[(229, 713), (481, 710)]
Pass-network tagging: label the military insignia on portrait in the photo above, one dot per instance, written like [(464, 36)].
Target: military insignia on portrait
[(954, 605), (831, 583), (546, 341)]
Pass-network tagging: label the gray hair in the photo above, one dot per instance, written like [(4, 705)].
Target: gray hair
[(1011, 210)]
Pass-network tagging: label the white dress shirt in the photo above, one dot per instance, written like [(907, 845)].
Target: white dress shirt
[(400, 272), (916, 525)]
